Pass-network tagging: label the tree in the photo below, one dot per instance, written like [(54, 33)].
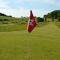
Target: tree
[(40, 19)]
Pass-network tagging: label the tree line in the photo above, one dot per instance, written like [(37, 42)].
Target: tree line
[(52, 16)]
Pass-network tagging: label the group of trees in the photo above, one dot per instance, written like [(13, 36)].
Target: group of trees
[(39, 19), (54, 15)]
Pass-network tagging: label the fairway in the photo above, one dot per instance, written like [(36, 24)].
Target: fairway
[(42, 44)]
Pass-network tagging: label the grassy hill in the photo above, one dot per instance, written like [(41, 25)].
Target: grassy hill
[(12, 24), (42, 44)]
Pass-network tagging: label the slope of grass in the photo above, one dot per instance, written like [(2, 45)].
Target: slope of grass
[(42, 44), (57, 24), (17, 27), (41, 24)]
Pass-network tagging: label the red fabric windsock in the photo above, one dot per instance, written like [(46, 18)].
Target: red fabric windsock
[(31, 22)]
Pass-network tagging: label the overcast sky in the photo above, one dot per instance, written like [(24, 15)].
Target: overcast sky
[(20, 8)]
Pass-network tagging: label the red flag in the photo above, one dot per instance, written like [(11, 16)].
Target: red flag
[(31, 23)]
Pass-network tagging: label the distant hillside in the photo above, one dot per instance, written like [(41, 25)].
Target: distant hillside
[(1, 14), (5, 19), (53, 15)]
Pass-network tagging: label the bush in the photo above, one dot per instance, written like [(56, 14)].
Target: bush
[(40, 19), (5, 19)]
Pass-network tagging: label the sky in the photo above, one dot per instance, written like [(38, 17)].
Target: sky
[(18, 8)]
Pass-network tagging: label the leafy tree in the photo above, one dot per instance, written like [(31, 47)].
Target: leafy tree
[(40, 19)]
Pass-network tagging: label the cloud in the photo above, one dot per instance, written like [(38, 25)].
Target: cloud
[(3, 4), (39, 1), (15, 12), (23, 10)]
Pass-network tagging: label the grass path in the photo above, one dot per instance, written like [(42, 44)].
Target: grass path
[(45, 43)]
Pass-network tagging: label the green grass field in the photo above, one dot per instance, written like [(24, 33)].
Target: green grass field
[(12, 27), (42, 44)]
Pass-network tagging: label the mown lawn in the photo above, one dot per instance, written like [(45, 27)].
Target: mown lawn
[(42, 44)]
